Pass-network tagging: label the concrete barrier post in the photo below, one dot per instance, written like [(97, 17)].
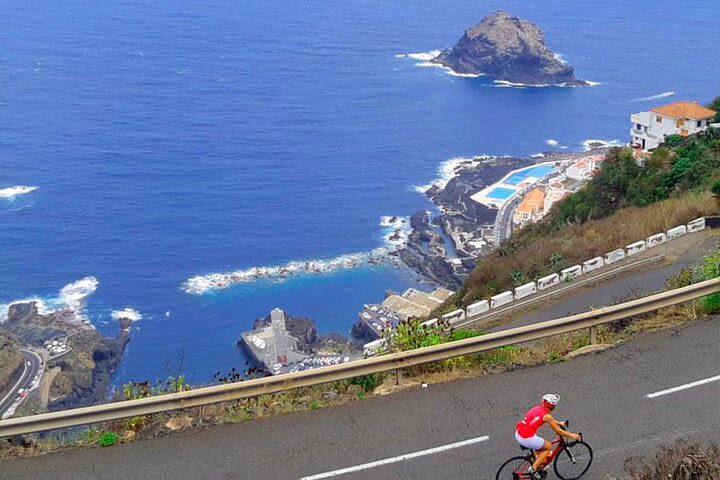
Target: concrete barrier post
[(593, 335)]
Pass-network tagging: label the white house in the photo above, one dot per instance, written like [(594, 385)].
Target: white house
[(649, 129), (584, 168), (553, 193)]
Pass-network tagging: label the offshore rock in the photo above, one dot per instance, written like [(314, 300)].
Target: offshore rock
[(509, 49)]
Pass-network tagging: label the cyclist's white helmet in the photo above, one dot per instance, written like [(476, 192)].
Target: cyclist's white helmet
[(551, 399)]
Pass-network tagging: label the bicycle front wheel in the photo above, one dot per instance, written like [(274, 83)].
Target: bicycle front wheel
[(573, 461), (513, 466)]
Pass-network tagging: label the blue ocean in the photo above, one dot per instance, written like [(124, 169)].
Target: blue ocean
[(172, 139)]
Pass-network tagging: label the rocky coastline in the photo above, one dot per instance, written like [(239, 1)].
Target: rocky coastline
[(508, 49), (308, 339), (85, 370)]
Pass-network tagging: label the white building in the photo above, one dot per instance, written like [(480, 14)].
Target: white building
[(584, 168), (553, 193), (649, 129)]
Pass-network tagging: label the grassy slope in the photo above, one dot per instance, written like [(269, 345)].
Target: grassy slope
[(622, 204)]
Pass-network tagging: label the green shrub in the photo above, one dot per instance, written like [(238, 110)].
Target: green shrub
[(108, 439), (314, 405), (464, 333), (367, 382), (710, 269), (555, 357)]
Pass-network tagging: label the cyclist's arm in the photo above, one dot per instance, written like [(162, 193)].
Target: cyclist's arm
[(557, 427)]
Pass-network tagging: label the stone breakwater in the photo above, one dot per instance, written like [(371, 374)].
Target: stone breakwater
[(202, 284)]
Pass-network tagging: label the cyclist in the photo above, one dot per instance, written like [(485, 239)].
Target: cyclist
[(526, 431)]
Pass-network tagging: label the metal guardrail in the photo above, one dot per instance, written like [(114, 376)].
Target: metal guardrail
[(280, 383), (555, 291)]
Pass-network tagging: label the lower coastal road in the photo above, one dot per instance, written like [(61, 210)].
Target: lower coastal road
[(32, 365), (627, 401)]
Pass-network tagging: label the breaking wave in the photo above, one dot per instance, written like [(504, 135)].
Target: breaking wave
[(202, 284), (11, 192), (127, 313), (654, 97), (425, 61), (70, 302), (552, 142), (449, 169), (396, 231)]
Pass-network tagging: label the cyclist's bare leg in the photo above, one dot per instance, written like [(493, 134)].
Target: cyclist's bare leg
[(541, 455)]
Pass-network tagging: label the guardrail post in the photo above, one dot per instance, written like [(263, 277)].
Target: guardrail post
[(593, 335), (397, 376)]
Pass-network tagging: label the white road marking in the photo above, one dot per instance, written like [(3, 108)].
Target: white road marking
[(683, 387), (400, 458)]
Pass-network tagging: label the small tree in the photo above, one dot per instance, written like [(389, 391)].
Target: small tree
[(715, 189)]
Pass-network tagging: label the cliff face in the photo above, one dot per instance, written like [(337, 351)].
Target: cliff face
[(10, 363), (86, 369), (510, 49)]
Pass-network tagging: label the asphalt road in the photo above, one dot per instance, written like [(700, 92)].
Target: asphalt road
[(605, 395), (25, 380)]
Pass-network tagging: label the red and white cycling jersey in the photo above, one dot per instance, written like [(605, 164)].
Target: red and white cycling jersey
[(533, 419)]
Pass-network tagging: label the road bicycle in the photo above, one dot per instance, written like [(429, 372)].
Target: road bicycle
[(570, 459)]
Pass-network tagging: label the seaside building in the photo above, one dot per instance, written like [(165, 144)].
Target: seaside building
[(649, 129), (553, 194), (584, 169), (274, 348), (395, 308), (531, 207)]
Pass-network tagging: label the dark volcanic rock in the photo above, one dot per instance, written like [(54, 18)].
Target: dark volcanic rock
[(86, 370), (510, 49), (308, 339), (426, 254)]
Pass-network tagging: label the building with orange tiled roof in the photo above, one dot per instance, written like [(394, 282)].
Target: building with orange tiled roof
[(530, 208), (649, 129)]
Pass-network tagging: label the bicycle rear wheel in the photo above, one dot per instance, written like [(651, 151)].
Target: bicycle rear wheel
[(573, 461), (518, 464)]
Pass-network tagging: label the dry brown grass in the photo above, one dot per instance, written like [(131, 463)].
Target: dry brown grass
[(681, 461), (531, 254)]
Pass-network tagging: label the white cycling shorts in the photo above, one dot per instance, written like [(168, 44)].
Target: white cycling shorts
[(534, 442)]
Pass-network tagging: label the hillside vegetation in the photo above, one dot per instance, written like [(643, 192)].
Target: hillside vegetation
[(10, 363), (623, 203)]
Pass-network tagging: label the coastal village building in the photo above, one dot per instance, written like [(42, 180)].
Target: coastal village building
[(649, 129), (395, 308), (584, 169), (553, 194), (531, 207)]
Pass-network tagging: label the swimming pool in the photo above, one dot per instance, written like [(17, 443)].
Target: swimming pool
[(538, 171), (500, 193)]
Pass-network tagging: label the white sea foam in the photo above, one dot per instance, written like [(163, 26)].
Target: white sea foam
[(425, 61), (506, 84), (71, 301), (654, 97), (396, 231), (552, 142), (449, 169), (422, 55), (128, 313), (591, 143), (201, 284), (11, 192)]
